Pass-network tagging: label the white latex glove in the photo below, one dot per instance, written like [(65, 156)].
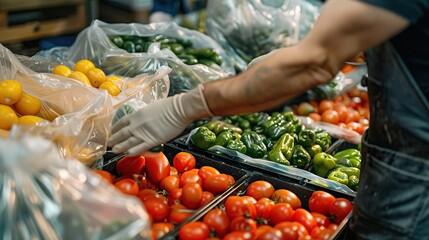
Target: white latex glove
[(157, 17), (158, 122)]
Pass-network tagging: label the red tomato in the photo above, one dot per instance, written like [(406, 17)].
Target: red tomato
[(330, 116), (178, 213), (192, 193), (207, 197), (140, 180), (320, 201), (315, 116), (127, 186), (161, 229), (217, 221), (357, 127), (174, 196), (325, 105), (321, 233), (292, 230), (156, 207), (207, 171), (217, 183), (305, 218), (144, 193), (353, 115), (260, 189), (130, 165), (341, 109), (194, 231), (250, 199), (243, 224), (238, 236), (105, 175), (321, 220), (339, 209), (184, 161), (261, 230), (190, 177), (271, 234), (169, 183), (263, 208), (286, 196), (173, 171), (157, 166), (281, 212), (236, 206)]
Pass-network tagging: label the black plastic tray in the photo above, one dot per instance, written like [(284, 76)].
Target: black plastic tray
[(302, 190)]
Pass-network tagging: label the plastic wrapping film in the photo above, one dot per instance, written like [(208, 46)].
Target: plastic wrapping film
[(251, 28), (79, 115), (43, 196), (93, 43), (281, 169)]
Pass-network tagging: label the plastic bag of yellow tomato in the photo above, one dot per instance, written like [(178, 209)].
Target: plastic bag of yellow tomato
[(74, 115)]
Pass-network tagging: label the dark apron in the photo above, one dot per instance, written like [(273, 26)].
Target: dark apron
[(392, 201)]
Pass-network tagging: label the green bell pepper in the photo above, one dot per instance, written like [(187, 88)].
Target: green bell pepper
[(355, 163), (290, 117), (203, 138), (297, 128), (348, 153), (236, 145), (255, 146), (306, 137), (344, 162), (313, 150), (282, 150), (338, 177), (275, 131), (353, 182), (350, 171), (243, 123), (323, 163), (323, 139), (223, 138), (300, 157), (218, 126)]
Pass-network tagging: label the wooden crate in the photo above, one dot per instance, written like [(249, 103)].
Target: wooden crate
[(74, 21)]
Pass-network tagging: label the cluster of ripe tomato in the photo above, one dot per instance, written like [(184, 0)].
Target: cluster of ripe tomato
[(266, 213), (170, 194), (349, 110)]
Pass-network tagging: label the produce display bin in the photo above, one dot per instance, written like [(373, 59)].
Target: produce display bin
[(302, 190)]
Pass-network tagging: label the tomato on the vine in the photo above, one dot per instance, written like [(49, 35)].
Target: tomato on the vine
[(184, 161), (339, 209), (194, 231), (130, 165), (260, 189), (217, 221), (320, 201), (127, 186)]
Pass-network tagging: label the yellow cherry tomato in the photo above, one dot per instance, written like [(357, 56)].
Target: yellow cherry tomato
[(28, 105), (10, 92), (7, 117), (80, 77), (83, 66), (110, 87), (62, 70), (96, 76), (29, 120)]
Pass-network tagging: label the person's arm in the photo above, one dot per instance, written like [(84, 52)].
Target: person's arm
[(343, 29)]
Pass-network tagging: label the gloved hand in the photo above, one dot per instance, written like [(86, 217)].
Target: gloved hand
[(158, 122)]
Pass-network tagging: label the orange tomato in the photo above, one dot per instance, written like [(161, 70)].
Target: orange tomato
[(110, 87), (353, 115), (105, 175), (10, 92), (356, 127), (62, 70), (330, 116), (80, 76), (28, 105), (326, 105), (29, 120), (7, 117), (315, 116), (341, 109), (96, 76), (83, 66), (348, 68)]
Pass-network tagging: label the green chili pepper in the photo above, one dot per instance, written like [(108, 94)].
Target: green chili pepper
[(223, 138), (313, 150), (203, 138), (306, 137), (236, 145), (300, 157), (282, 150), (218, 126), (177, 48), (323, 163), (338, 177), (129, 46), (188, 59), (255, 146)]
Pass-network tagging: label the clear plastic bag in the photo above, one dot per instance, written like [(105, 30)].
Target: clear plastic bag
[(94, 44), (78, 116), (43, 196), (251, 28)]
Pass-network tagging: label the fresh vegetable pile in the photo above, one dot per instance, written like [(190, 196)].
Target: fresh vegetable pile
[(171, 190), (264, 212), (183, 49)]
